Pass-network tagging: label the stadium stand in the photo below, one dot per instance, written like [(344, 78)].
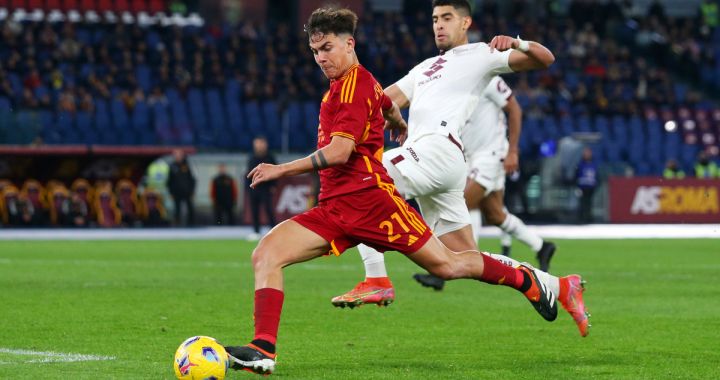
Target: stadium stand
[(642, 84)]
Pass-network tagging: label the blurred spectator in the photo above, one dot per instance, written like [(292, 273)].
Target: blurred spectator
[(673, 170), (261, 195), (586, 179), (224, 192), (181, 185), (704, 168)]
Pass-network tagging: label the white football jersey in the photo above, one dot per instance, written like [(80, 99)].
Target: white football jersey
[(445, 90), (486, 131)]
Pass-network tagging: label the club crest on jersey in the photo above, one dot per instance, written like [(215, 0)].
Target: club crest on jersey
[(437, 66)]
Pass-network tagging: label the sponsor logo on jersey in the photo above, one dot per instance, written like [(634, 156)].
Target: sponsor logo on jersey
[(437, 66)]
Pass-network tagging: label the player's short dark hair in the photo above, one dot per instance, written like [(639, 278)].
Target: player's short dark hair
[(460, 5), (331, 20)]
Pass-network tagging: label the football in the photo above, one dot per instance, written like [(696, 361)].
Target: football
[(200, 358)]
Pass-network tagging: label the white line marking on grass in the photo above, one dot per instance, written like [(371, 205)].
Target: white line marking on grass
[(51, 357)]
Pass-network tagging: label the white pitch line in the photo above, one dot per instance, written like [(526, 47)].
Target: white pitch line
[(51, 357)]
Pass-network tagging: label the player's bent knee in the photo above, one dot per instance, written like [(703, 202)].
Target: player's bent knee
[(262, 254), (495, 219)]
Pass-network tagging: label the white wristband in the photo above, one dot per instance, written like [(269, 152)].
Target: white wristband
[(523, 46)]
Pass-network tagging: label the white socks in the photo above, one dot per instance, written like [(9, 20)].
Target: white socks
[(505, 239), (520, 231), (374, 261), (551, 281)]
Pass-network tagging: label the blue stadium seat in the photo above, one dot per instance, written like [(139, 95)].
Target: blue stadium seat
[(5, 105), (253, 116), (143, 73), (298, 139), (311, 112), (141, 124), (119, 115), (603, 127), (218, 122), (584, 124), (273, 123), (620, 128), (162, 126), (566, 125)]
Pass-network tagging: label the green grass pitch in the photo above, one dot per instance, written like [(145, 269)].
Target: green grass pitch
[(655, 306)]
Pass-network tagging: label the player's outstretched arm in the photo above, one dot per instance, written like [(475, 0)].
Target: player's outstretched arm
[(514, 117), (397, 96), (528, 55), (335, 153)]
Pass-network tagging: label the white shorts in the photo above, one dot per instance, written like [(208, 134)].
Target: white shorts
[(488, 171), (432, 170)]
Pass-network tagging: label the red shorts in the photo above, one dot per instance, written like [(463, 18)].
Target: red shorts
[(377, 217)]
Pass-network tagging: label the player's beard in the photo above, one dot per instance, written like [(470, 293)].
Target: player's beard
[(444, 45)]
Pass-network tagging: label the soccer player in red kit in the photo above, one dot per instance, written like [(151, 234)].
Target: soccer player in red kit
[(358, 201)]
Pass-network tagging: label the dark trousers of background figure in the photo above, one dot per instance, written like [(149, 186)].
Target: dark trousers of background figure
[(260, 199), (190, 209), (585, 209), (224, 215)]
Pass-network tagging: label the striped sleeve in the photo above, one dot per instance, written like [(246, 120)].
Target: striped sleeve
[(353, 109)]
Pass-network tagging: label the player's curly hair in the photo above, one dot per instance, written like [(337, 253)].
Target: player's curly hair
[(331, 20), (461, 5)]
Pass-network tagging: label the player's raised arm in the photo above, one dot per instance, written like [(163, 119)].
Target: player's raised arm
[(528, 55), (514, 122), (335, 153)]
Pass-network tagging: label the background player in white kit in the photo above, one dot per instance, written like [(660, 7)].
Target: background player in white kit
[(443, 93), (491, 148)]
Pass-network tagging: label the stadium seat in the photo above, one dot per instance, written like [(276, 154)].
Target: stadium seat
[(88, 5), (35, 193), (141, 124), (161, 122), (143, 73), (251, 109), (296, 130), (105, 5), (128, 202), (58, 205), (108, 214), (153, 212), (156, 6), (69, 5), (35, 4), (137, 6), (218, 121), (272, 123), (121, 6), (82, 188), (8, 205)]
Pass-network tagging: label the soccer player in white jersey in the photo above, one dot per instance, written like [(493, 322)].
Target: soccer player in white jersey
[(443, 92), (491, 149)]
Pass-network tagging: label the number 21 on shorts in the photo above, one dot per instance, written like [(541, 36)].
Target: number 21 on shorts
[(389, 226)]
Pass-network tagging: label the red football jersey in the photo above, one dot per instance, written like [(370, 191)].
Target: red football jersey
[(352, 109)]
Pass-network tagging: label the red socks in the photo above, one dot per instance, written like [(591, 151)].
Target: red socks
[(268, 305), (498, 273)]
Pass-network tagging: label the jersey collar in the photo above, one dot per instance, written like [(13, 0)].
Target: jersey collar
[(347, 72)]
